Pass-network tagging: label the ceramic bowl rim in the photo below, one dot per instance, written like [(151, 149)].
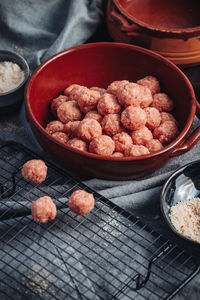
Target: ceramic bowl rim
[(188, 30), (169, 147), (26, 71), (162, 195)]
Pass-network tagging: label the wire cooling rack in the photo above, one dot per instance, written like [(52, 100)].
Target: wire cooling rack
[(107, 254)]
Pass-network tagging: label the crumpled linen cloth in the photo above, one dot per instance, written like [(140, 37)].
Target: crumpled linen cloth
[(39, 29)]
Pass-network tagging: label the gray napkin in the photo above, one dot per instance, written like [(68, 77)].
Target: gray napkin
[(39, 29)]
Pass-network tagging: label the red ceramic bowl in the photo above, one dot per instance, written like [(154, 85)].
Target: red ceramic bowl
[(98, 65)]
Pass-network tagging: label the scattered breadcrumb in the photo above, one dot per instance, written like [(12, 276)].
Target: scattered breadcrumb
[(11, 127), (185, 217), (36, 281)]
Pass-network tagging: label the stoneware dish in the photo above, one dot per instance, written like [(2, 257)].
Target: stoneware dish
[(170, 28), (184, 184), (98, 65), (167, 18), (11, 100)]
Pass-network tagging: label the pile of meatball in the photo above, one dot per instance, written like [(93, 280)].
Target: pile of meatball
[(126, 119), (44, 209)]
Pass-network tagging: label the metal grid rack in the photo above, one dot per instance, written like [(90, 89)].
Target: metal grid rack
[(107, 254)]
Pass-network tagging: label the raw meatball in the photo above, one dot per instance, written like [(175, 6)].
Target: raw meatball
[(56, 102), (167, 117), (72, 87), (60, 137), (166, 132), (141, 136), (137, 150), (146, 97), (153, 117), (102, 145), (151, 82), (108, 104), (69, 111), (43, 209), (93, 114), (111, 124), (76, 92), (116, 85), (130, 94), (154, 145), (162, 102), (77, 143), (98, 89), (88, 100), (54, 126), (133, 117), (34, 170), (81, 202), (117, 154), (122, 141), (89, 129), (71, 128)]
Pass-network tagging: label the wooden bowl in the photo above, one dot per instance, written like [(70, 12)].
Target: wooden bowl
[(99, 64)]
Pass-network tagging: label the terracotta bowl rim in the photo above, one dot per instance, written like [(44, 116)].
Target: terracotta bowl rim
[(189, 30), (168, 148)]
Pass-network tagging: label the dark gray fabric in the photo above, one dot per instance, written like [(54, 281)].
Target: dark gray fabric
[(38, 29)]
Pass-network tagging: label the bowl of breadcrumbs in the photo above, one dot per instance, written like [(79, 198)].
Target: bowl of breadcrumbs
[(14, 73), (180, 202)]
